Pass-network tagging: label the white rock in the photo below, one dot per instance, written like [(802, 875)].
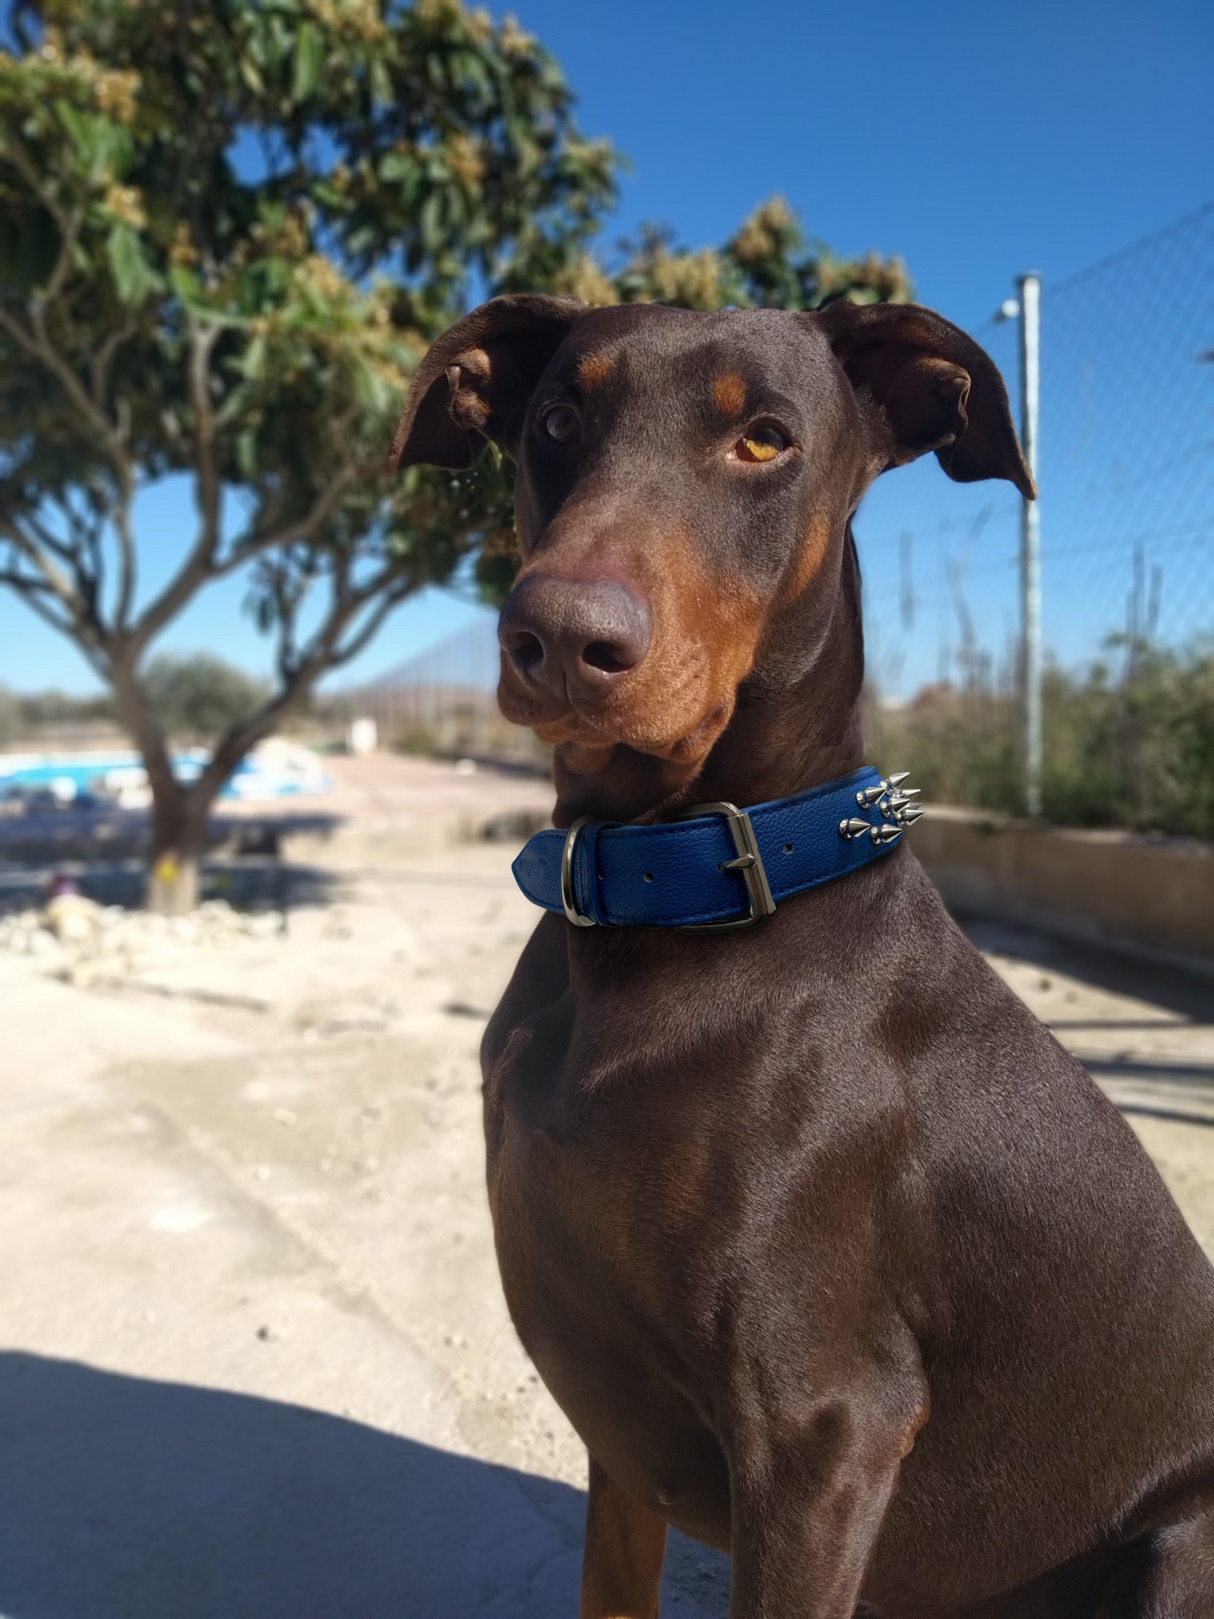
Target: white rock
[(72, 916)]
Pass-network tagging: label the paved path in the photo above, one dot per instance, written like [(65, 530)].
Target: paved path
[(256, 1361)]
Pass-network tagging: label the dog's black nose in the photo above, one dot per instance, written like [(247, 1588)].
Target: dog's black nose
[(571, 636)]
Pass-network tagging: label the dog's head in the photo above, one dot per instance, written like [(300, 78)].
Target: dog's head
[(683, 479)]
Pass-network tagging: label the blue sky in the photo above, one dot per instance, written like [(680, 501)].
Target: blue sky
[(975, 140)]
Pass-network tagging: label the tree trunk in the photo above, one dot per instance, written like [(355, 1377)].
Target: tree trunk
[(178, 844), (179, 814)]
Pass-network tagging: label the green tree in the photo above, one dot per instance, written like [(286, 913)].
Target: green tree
[(767, 263), (227, 232), (199, 697)]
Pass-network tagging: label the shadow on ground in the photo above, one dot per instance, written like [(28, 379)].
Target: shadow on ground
[(120, 1496), (125, 1497), (1163, 983), (1166, 1086), (250, 883), (104, 830)]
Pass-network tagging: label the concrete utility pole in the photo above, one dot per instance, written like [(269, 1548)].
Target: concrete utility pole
[(1030, 538)]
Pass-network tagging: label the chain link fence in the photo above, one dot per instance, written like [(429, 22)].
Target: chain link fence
[(443, 701), (1127, 519), (1126, 474)]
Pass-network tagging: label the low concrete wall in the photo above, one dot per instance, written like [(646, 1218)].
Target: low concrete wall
[(1117, 889)]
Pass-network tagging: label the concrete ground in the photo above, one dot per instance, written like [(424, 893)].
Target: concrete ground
[(256, 1361)]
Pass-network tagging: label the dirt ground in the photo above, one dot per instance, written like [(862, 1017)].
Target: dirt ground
[(255, 1359)]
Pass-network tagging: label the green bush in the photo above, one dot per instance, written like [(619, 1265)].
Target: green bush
[(10, 718), (1136, 750), (420, 740), (198, 697), (32, 718)]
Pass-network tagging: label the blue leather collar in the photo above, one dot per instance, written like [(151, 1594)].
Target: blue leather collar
[(716, 866)]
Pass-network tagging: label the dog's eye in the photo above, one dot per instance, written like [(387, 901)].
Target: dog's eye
[(761, 444), (560, 423)]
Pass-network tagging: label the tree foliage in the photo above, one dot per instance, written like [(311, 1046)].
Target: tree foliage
[(226, 237), (228, 231), (767, 263), (38, 717), (1129, 741), (196, 697)]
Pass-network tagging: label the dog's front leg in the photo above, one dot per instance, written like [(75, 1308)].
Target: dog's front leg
[(805, 1517), (625, 1545)]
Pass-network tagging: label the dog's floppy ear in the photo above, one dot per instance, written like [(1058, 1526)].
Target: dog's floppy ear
[(935, 389), (476, 379)]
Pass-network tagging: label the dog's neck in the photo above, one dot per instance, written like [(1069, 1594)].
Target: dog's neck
[(796, 723)]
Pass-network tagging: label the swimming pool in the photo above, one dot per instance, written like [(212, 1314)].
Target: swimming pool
[(276, 770)]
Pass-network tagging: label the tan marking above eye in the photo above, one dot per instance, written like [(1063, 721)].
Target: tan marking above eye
[(594, 370), (729, 393)]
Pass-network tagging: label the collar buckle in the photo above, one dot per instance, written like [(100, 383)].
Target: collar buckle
[(568, 897), (747, 862)]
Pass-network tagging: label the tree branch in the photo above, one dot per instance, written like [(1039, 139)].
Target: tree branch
[(371, 625), (37, 344), (298, 674), (210, 493), (286, 602), (36, 341), (51, 542), (54, 581), (303, 529), (33, 593), (232, 747), (99, 365), (84, 555), (198, 566), (63, 264), (297, 681), (26, 585), (201, 566), (28, 169), (128, 563)]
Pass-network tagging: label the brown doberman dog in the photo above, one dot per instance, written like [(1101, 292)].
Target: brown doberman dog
[(833, 1257)]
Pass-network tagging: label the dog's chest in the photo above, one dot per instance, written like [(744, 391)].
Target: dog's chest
[(593, 1231)]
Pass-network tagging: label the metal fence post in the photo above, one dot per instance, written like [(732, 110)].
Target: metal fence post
[(1030, 538)]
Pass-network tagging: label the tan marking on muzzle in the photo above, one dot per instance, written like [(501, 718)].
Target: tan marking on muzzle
[(729, 393), (913, 1430), (680, 697), (705, 625)]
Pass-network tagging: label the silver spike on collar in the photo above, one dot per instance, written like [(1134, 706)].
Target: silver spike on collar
[(897, 807)]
